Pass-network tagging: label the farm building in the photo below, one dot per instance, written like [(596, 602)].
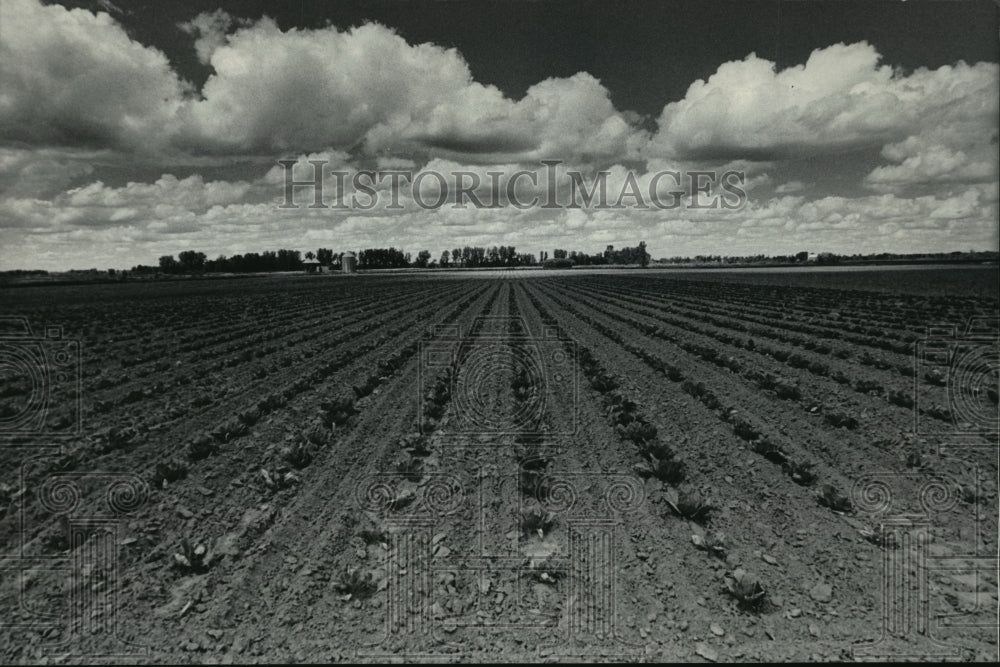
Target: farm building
[(349, 262), (311, 266)]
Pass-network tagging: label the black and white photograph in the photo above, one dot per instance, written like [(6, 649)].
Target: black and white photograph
[(522, 331)]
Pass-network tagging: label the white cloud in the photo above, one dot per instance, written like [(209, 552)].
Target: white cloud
[(286, 91), (365, 97), (367, 87), (191, 193), (789, 187), (841, 98), (42, 172), (74, 77), (71, 77), (209, 30), (922, 163)]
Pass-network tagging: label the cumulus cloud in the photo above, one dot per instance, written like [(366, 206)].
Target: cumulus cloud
[(286, 91), (209, 30), (365, 98), (191, 193), (75, 78), (561, 118), (841, 98), (368, 88), (42, 172), (789, 187), (921, 162)]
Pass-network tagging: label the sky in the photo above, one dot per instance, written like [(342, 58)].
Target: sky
[(131, 130)]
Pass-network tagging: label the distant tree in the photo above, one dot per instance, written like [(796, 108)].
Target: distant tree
[(168, 264), (310, 255), (325, 256), (423, 257), (445, 256), (643, 255), (191, 260), (382, 258), (288, 260), (802, 256)]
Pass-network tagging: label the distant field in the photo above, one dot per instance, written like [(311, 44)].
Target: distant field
[(367, 455), (941, 280)]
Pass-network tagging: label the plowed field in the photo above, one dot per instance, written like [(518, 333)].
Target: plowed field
[(501, 467)]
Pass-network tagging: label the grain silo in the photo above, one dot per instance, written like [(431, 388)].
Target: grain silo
[(349, 262)]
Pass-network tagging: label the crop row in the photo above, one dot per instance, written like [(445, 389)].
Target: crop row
[(800, 469), (738, 315), (865, 308), (901, 397), (300, 445)]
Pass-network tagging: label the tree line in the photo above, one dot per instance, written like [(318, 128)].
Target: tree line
[(828, 258), (563, 258), (193, 261)]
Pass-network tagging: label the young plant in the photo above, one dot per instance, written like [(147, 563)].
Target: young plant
[(903, 399), (656, 449), (769, 451), (714, 543), (787, 390), (841, 420), (369, 385), (230, 430), (169, 471), (623, 410), (543, 572), (536, 520), (638, 432), (746, 588), (250, 416), (436, 401), (667, 470), (745, 430), (689, 505), (193, 558), (201, 447), (603, 382), (830, 497), (522, 386), (316, 434), (297, 454), (880, 538), (354, 583), (370, 537), (801, 472), (337, 411), (279, 480)]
